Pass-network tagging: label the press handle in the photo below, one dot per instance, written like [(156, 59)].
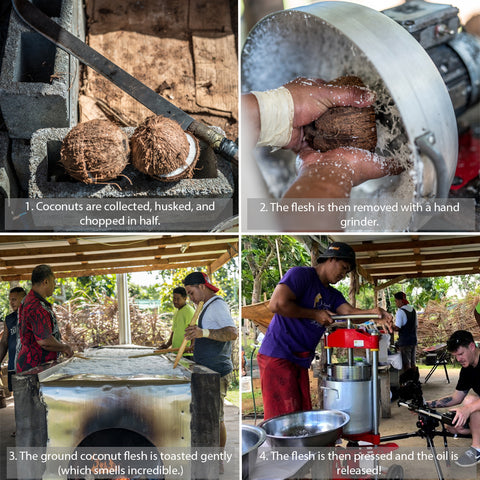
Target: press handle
[(357, 316)]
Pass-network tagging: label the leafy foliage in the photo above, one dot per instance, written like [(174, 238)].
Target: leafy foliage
[(260, 261)]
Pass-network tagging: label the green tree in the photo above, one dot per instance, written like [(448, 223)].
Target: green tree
[(265, 259)]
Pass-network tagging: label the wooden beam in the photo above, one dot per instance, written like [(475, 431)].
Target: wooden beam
[(471, 271), (425, 257), (107, 271), (440, 268), (223, 259), (409, 244), (381, 286), (114, 265), (115, 245), (207, 250)]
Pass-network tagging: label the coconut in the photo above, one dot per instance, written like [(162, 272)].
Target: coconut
[(161, 149), (344, 126), (95, 151)]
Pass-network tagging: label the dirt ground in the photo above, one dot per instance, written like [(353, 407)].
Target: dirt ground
[(404, 421)]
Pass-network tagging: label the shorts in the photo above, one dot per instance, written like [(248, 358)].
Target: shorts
[(224, 383), (11, 373), (408, 356), (285, 386)]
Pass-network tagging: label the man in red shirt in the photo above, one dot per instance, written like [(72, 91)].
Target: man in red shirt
[(39, 337)]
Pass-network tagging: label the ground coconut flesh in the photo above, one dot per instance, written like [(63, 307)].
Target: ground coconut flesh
[(118, 363), (292, 44)]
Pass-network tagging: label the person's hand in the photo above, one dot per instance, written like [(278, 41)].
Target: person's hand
[(386, 320), (334, 173), (192, 332), (461, 416), (313, 97), (323, 317), (68, 351)]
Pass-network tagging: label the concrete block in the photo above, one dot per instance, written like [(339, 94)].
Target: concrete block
[(20, 158), (47, 178), (39, 82), (8, 182)]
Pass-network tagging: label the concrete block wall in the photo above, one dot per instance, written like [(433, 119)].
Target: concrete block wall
[(47, 178), (39, 82), (8, 182)]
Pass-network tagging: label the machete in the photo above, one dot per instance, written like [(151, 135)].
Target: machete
[(51, 30)]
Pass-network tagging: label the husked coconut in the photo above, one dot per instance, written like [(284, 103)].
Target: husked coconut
[(95, 151), (344, 126), (161, 149)]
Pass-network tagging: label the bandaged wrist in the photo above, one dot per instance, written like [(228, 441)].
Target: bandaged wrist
[(276, 117), (205, 332)]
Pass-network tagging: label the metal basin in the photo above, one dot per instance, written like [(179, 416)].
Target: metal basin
[(252, 438), (313, 428)]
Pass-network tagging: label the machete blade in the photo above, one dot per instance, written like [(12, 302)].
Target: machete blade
[(51, 30)]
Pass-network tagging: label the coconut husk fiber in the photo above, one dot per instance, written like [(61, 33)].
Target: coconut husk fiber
[(95, 151), (160, 146), (344, 126)]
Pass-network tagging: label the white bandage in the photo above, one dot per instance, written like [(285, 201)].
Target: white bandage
[(205, 332), (276, 117)]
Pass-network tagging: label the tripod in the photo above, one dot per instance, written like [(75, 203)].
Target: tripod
[(428, 421)]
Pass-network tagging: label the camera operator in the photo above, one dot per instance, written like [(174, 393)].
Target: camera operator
[(462, 346)]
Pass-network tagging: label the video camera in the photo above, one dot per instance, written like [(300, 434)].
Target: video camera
[(411, 396)]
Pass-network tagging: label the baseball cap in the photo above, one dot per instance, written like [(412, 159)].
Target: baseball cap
[(199, 278), (341, 251)]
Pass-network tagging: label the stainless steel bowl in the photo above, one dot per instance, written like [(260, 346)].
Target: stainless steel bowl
[(252, 438), (313, 428)]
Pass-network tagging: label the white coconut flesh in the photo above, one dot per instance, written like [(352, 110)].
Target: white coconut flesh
[(188, 161)]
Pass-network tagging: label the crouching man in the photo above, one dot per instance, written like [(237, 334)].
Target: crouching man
[(462, 346)]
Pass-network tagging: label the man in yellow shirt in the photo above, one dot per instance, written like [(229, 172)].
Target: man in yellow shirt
[(181, 319)]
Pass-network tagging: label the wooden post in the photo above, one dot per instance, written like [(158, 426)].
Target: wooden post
[(205, 426), (384, 374)]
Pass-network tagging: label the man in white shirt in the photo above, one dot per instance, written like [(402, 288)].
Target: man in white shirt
[(213, 335)]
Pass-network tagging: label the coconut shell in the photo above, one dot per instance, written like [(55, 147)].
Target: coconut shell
[(95, 151), (344, 126), (160, 146)]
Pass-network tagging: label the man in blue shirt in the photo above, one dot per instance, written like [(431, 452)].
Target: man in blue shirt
[(406, 326)]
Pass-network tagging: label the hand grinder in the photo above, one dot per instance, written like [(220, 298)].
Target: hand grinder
[(424, 70)]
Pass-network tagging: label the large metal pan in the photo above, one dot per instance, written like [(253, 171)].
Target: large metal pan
[(415, 118), (312, 428), (252, 439)]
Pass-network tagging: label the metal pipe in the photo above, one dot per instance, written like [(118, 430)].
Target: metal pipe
[(375, 392), (125, 336), (350, 350), (328, 349)]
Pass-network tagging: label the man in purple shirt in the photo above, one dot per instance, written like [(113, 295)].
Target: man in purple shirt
[(303, 303)]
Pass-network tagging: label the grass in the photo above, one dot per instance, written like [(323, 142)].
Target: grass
[(247, 402), (233, 396)]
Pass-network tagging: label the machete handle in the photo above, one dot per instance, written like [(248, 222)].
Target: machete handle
[(220, 144)]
